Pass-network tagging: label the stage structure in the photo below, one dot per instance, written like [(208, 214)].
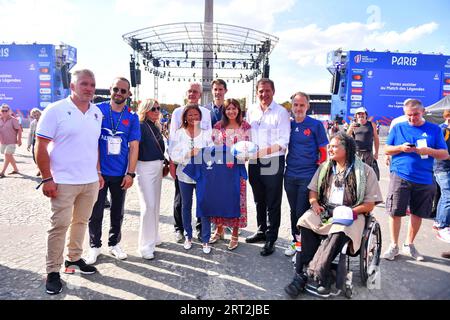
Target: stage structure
[(211, 50)]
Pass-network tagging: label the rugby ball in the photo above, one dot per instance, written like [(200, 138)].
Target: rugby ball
[(244, 149)]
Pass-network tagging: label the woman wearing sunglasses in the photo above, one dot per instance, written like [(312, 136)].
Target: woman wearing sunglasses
[(149, 176)]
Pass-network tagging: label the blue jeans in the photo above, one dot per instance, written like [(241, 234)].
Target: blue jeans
[(187, 192), (443, 209), (298, 196)]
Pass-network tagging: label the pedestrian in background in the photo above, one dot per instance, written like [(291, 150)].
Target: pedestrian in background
[(10, 136)]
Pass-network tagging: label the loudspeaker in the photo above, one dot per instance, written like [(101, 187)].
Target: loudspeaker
[(266, 71), (65, 76), (133, 74), (138, 76), (335, 83)]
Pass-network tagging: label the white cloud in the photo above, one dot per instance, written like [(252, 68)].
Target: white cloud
[(44, 21), (309, 45), (255, 14)]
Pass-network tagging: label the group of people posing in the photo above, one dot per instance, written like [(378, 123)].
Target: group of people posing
[(83, 150)]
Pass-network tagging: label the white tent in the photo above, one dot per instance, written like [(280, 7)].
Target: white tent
[(439, 106)]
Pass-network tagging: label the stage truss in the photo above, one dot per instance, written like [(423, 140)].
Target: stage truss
[(211, 50)]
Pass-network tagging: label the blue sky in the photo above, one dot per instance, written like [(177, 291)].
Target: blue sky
[(308, 29)]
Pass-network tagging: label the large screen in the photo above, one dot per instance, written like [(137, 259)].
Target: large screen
[(381, 82), (26, 76)]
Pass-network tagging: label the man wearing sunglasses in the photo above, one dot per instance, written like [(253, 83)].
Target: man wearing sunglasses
[(119, 149), (10, 135)]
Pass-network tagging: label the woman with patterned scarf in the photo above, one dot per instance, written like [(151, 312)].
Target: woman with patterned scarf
[(343, 182)]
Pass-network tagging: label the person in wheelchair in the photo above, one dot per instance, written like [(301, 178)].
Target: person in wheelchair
[(347, 186)]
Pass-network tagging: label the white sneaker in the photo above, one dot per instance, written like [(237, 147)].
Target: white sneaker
[(117, 252), (147, 255), (179, 236), (411, 251), (93, 255), (444, 234), (187, 244), (206, 248), (290, 250), (391, 252)]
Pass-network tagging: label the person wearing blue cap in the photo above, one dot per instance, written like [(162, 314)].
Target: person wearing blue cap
[(342, 189)]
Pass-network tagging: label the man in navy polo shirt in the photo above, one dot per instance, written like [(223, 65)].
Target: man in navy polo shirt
[(119, 149), (307, 149)]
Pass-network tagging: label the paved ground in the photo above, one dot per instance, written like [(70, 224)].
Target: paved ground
[(176, 274)]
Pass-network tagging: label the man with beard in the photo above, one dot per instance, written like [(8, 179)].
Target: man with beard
[(119, 149)]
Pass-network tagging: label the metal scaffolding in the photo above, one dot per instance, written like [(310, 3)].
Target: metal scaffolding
[(211, 47)]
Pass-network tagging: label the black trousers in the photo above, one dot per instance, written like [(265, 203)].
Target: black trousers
[(266, 180), (116, 213), (177, 211), (318, 255)]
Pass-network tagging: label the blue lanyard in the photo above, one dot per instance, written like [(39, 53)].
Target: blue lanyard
[(114, 130)]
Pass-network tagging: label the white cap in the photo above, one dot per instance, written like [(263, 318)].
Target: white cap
[(361, 110), (343, 215)]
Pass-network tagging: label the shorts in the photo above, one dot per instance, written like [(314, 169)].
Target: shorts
[(402, 193), (8, 148)]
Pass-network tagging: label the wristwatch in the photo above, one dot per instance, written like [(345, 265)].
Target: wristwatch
[(133, 175)]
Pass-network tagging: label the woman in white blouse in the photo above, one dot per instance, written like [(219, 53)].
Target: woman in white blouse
[(188, 141)]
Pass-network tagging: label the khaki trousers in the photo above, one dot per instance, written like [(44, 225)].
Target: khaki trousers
[(71, 208)]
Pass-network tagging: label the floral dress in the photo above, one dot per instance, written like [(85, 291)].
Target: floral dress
[(230, 137)]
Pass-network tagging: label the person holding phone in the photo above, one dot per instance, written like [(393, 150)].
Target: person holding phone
[(413, 146)]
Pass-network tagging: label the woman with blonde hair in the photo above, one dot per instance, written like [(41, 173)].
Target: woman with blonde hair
[(149, 176)]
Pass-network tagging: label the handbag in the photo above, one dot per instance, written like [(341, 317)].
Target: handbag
[(166, 166)]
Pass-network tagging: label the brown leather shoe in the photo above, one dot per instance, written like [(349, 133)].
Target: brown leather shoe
[(445, 255)]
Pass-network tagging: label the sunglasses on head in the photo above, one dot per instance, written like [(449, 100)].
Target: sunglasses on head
[(155, 109), (122, 91)]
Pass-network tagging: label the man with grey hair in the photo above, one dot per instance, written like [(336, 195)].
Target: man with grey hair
[(10, 136), (71, 178), (413, 146)]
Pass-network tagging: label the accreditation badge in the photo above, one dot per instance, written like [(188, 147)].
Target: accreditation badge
[(114, 146), (337, 195)]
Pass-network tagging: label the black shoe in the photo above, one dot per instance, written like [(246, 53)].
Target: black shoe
[(53, 285), (296, 286), (80, 265), (257, 237), (268, 249)]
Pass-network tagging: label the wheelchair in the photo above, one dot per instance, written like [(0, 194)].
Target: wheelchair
[(369, 260)]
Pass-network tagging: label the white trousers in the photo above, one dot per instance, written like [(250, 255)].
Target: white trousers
[(149, 179)]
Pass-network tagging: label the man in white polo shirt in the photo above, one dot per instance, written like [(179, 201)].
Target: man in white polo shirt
[(67, 157), (271, 128)]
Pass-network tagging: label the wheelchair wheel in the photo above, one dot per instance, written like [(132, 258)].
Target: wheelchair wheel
[(370, 252)]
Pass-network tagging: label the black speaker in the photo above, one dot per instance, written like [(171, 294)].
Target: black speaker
[(133, 74), (138, 76), (65, 76), (266, 71), (335, 83)]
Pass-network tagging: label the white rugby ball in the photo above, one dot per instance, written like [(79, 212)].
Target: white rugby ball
[(244, 149)]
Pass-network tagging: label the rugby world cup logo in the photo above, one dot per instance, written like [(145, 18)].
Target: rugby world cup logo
[(358, 58)]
